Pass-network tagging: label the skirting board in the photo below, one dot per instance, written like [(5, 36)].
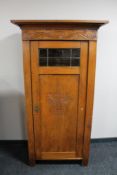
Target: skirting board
[(23, 142)]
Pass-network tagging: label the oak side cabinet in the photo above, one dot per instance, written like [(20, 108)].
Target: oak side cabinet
[(59, 72)]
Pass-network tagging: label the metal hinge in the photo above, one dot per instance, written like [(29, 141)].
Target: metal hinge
[(36, 108)]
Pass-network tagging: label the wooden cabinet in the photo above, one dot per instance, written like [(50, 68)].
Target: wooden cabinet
[(59, 73)]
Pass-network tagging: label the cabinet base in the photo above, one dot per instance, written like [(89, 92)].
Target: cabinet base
[(84, 161)]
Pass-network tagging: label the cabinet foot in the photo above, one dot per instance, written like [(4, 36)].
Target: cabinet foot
[(31, 162), (84, 162)]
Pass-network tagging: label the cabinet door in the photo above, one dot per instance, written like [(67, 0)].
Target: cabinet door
[(59, 91)]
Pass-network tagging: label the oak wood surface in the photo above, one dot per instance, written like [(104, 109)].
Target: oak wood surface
[(89, 100), (58, 44), (28, 100), (82, 96), (59, 29), (36, 69), (59, 100), (59, 156), (52, 83), (86, 23), (59, 34), (58, 121), (36, 99), (59, 70)]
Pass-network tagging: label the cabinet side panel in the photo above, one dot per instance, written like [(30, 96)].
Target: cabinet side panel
[(89, 100), (28, 100)]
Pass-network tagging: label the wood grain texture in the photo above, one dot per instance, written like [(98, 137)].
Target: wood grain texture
[(58, 121), (95, 24), (52, 34), (36, 99), (28, 100), (56, 100), (59, 70), (58, 44), (60, 156), (34, 58), (36, 69), (82, 97), (59, 21), (36, 114), (59, 100), (89, 100)]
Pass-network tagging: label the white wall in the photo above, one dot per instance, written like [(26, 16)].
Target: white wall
[(11, 72)]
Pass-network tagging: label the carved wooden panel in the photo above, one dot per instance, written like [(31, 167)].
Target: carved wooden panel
[(58, 102), (59, 106), (59, 34)]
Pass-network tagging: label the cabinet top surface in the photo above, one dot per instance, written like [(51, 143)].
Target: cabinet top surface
[(59, 21), (76, 23)]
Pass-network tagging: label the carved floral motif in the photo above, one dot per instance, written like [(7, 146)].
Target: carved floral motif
[(58, 102), (60, 34)]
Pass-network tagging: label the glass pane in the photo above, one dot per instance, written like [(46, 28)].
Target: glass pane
[(43, 52), (59, 57), (59, 53), (59, 61), (75, 61), (43, 61), (75, 52)]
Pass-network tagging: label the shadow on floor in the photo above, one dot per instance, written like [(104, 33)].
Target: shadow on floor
[(16, 150)]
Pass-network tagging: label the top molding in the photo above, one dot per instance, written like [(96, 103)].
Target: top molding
[(59, 29), (89, 24)]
